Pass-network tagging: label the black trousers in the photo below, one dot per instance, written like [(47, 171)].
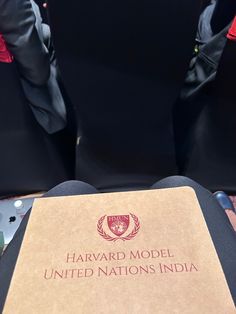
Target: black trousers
[(221, 231)]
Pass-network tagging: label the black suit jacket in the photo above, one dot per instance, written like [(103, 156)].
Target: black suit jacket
[(25, 35)]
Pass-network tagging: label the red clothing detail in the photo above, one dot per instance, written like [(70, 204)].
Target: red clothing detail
[(5, 55), (232, 31)]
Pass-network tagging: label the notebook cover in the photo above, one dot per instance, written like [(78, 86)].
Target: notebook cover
[(129, 252)]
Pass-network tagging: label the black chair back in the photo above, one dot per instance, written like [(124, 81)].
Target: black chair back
[(123, 64)]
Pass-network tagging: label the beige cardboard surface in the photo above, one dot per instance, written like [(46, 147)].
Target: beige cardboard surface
[(154, 257)]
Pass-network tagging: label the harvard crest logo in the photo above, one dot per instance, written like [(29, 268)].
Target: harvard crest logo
[(118, 225)]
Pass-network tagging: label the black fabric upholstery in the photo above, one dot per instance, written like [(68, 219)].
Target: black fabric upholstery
[(123, 64), (30, 159)]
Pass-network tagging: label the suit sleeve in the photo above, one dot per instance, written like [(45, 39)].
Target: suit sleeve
[(17, 25)]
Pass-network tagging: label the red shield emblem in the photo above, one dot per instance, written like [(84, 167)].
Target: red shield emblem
[(118, 224)]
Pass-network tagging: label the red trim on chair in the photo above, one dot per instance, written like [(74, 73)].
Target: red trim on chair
[(232, 31), (5, 55)]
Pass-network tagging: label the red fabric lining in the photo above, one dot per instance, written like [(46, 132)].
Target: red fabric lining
[(5, 55), (232, 31)]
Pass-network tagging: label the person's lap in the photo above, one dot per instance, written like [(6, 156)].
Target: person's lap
[(220, 229), (222, 233), (8, 259)]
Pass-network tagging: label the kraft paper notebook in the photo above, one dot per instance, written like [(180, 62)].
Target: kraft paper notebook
[(130, 252)]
